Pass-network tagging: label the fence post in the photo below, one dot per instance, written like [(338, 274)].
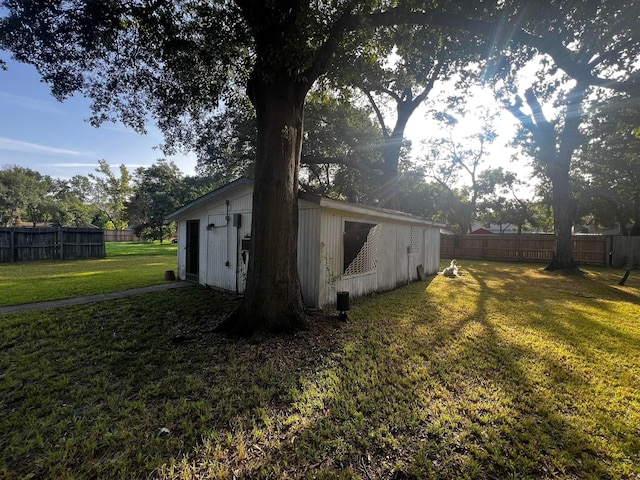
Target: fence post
[(12, 245), (60, 243), (519, 249)]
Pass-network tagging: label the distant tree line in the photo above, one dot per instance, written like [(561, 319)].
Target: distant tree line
[(453, 183), (139, 199)]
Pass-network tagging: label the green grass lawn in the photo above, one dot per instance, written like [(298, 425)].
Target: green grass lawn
[(505, 372), (127, 265)]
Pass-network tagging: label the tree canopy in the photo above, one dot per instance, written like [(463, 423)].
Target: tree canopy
[(609, 165), (158, 191), (24, 195)]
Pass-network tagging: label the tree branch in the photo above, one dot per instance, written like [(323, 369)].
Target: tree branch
[(345, 23), (561, 55), (320, 160), (379, 116), (391, 93)]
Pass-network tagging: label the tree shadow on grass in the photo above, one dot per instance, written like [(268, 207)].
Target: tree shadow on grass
[(571, 363), (416, 385), (559, 303), (438, 394), (117, 389)]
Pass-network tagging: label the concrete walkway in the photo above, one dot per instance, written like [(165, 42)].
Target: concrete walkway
[(91, 298)]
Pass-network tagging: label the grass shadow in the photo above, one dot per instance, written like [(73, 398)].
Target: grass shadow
[(443, 379)]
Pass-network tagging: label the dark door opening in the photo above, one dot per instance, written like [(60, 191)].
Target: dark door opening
[(193, 249), (355, 236)]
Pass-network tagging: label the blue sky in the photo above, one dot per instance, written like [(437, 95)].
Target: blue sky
[(54, 138)]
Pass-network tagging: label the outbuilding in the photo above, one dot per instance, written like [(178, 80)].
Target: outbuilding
[(341, 246)]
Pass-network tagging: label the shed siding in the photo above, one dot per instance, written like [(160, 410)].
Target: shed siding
[(387, 261), (202, 252), (225, 267), (218, 252), (330, 256), (331, 276), (403, 257), (309, 253), (182, 251), (431, 262), (243, 258)]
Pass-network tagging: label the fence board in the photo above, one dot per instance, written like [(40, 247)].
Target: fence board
[(530, 247), (61, 243), (625, 250)]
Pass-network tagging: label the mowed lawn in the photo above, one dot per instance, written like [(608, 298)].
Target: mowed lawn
[(505, 372), (127, 265)]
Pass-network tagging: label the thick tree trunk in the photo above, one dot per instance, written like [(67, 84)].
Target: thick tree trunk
[(273, 299), (569, 140), (562, 218), (556, 150), (391, 156)]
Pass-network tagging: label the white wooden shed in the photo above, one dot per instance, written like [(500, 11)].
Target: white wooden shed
[(341, 246)]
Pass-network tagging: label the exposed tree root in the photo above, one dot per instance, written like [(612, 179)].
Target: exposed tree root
[(235, 325)]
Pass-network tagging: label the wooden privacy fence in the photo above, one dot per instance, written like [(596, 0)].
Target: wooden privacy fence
[(528, 247), (57, 243), (120, 236)]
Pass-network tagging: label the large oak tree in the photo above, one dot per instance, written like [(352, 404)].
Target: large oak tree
[(595, 46), (175, 60)]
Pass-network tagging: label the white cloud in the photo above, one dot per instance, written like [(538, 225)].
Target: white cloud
[(31, 103), (9, 144), (73, 165)]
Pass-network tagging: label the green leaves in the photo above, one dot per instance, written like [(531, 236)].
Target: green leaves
[(158, 192), (24, 195)]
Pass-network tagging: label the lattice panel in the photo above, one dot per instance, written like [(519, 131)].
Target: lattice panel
[(367, 258), (416, 237)]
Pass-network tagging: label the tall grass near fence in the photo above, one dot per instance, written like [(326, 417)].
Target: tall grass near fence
[(127, 265)]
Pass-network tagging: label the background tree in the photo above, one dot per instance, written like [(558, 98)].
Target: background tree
[(71, 211), (158, 191), (609, 164), (24, 196), (397, 71), (456, 162), (111, 193), (507, 212), (340, 155), (596, 40), (554, 143)]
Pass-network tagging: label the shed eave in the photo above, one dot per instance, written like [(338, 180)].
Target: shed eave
[(203, 200), (353, 208)]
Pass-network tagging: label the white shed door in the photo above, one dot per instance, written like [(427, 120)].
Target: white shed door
[(218, 269)]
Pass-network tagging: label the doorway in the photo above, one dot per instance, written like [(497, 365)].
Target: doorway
[(193, 250)]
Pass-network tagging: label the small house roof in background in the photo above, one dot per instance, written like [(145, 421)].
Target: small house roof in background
[(481, 231), (320, 200)]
